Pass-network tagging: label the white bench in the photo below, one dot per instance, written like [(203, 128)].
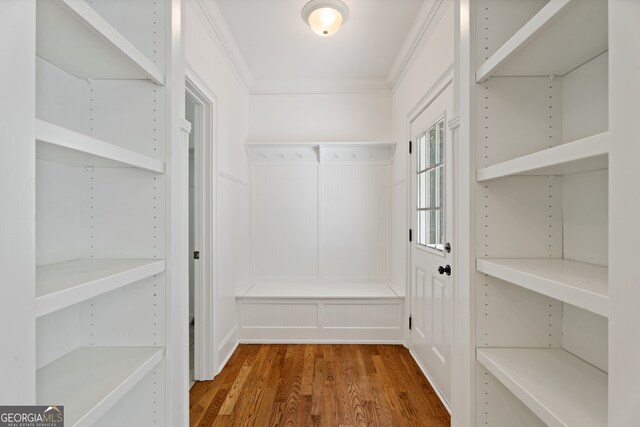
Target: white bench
[(320, 313)]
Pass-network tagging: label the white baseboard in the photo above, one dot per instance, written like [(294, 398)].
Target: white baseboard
[(428, 377)]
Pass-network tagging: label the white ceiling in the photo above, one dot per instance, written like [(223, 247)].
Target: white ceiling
[(278, 46)]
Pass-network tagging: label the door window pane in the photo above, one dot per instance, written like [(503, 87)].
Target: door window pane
[(430, 187)]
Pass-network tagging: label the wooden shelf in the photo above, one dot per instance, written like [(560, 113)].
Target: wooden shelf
[(558, 387), (587, 154), (61, 145), (579, 284), (73, 36), (90, 380), (563, 35), (319, 291), (67, 283)]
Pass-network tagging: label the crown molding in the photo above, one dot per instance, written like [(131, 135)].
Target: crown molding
[(423, 26), (312, 87), (214, 16)]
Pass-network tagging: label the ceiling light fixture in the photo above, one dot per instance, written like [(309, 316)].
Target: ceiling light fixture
[(325, 16)]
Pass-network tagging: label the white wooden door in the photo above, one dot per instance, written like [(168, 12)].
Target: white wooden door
[(431, 216)]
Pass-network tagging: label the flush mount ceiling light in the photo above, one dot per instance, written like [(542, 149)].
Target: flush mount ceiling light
[(325, 16)]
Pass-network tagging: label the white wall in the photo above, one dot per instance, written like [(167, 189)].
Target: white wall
[(431, 59), (17, 232), (326, 117), (207, 57)]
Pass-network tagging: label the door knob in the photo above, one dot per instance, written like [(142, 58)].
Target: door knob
[(446, 269)]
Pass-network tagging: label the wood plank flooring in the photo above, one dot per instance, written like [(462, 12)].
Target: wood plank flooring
[(318, 385)]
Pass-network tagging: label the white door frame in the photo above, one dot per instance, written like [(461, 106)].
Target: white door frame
[(205, 150), (443, 82)]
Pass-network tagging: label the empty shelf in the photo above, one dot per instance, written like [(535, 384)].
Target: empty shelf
[(73, 36), (563, 35), (67, 283), (57, 144), (579, 284), (558, 387), (587, 154), (319, 291), (90, 380)]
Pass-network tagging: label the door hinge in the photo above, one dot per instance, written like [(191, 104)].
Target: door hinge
[(410, 148), (410, 323), (410, 235), (196, 255)]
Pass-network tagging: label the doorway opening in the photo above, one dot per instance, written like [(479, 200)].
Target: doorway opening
[(200, 112)]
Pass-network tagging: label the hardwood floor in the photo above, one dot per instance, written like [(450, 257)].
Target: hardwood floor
[(318, 385)]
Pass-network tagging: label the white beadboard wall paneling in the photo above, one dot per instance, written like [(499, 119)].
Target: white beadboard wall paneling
[(64, 284), (89, 381), (286, 221), (344, 316), (585, 208), (354, 216), (561, 36), (57, 144), (398, 238), (583, 285), (548, 381), (274, 315), (75, 37), (63, 219), (319, 320), (584, 334)]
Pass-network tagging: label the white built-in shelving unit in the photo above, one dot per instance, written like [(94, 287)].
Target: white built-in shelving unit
[(101, 138), (587, 154), (542, 157), (557, 386), (67, 283), (90, 381), (577, 283), (76, 38)]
